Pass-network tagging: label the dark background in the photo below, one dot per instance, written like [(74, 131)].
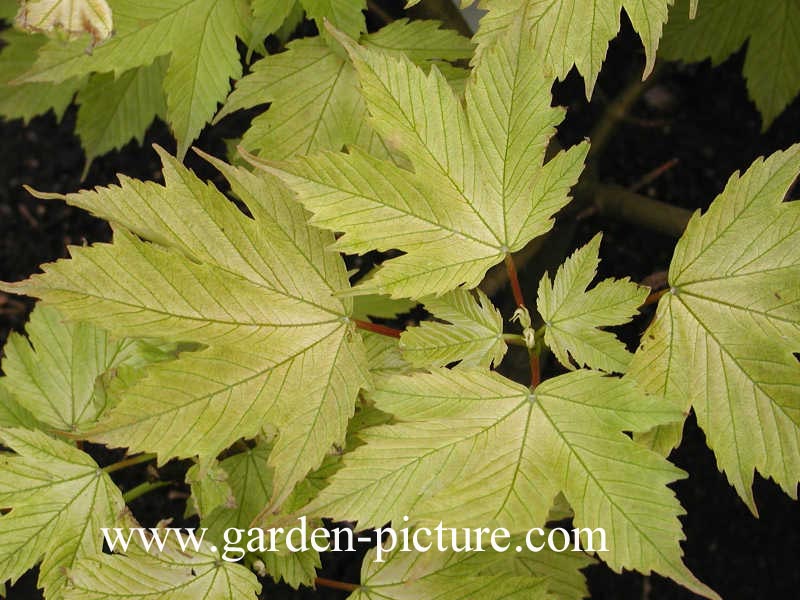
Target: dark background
[(697, 114)]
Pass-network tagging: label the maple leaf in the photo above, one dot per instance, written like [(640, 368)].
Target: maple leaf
[(166, 574), (479, 189), (346, 15), (473, 336), (471, 448), (198, 35), (55, 373), (772, 62), (71, 17), (114, 110), (25, 101), (724, 336), (572, 315), (12, 414), (443, 575), (59, 499), (249, 476), (268, 16), (256, 292), (313, 90), (573, 32)]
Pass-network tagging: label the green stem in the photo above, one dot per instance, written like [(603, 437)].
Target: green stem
[(513, 339), (129, 462), (142, 489)]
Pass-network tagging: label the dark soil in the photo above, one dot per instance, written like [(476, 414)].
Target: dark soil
[(697, 114)]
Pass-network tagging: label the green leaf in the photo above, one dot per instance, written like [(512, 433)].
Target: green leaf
[(313, 91), (474, 449), (440, 575), (27, 100), (250, 478), (314, 101), (268, 16), (479, 188), (114, 110), (562, 570), (572, 316), (200, 37), (572, 32), (772, 63), (381, 307), (346, 15), (384, 354), (72, 18), (210, 488), (724, 337), (54, 374), (12, 414), (59, 500), (474, 335), (201, 66), (160, 575), (420, 41), (257, 292)]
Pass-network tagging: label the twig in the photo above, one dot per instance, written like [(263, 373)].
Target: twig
[(536, 375), (142, 489), (377, 10), (129, 462), (616, 112), (654, 174)]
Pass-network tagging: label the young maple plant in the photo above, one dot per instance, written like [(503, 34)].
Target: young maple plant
[(223, 326)]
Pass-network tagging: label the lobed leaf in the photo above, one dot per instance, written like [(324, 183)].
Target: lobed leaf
[(59, 499), (572, 316), (724, 337), (256, 292), (474, 335), (772, 63), (460, 211), (472, 449)]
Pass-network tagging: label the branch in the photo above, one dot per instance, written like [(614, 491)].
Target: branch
[(618, 202)]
